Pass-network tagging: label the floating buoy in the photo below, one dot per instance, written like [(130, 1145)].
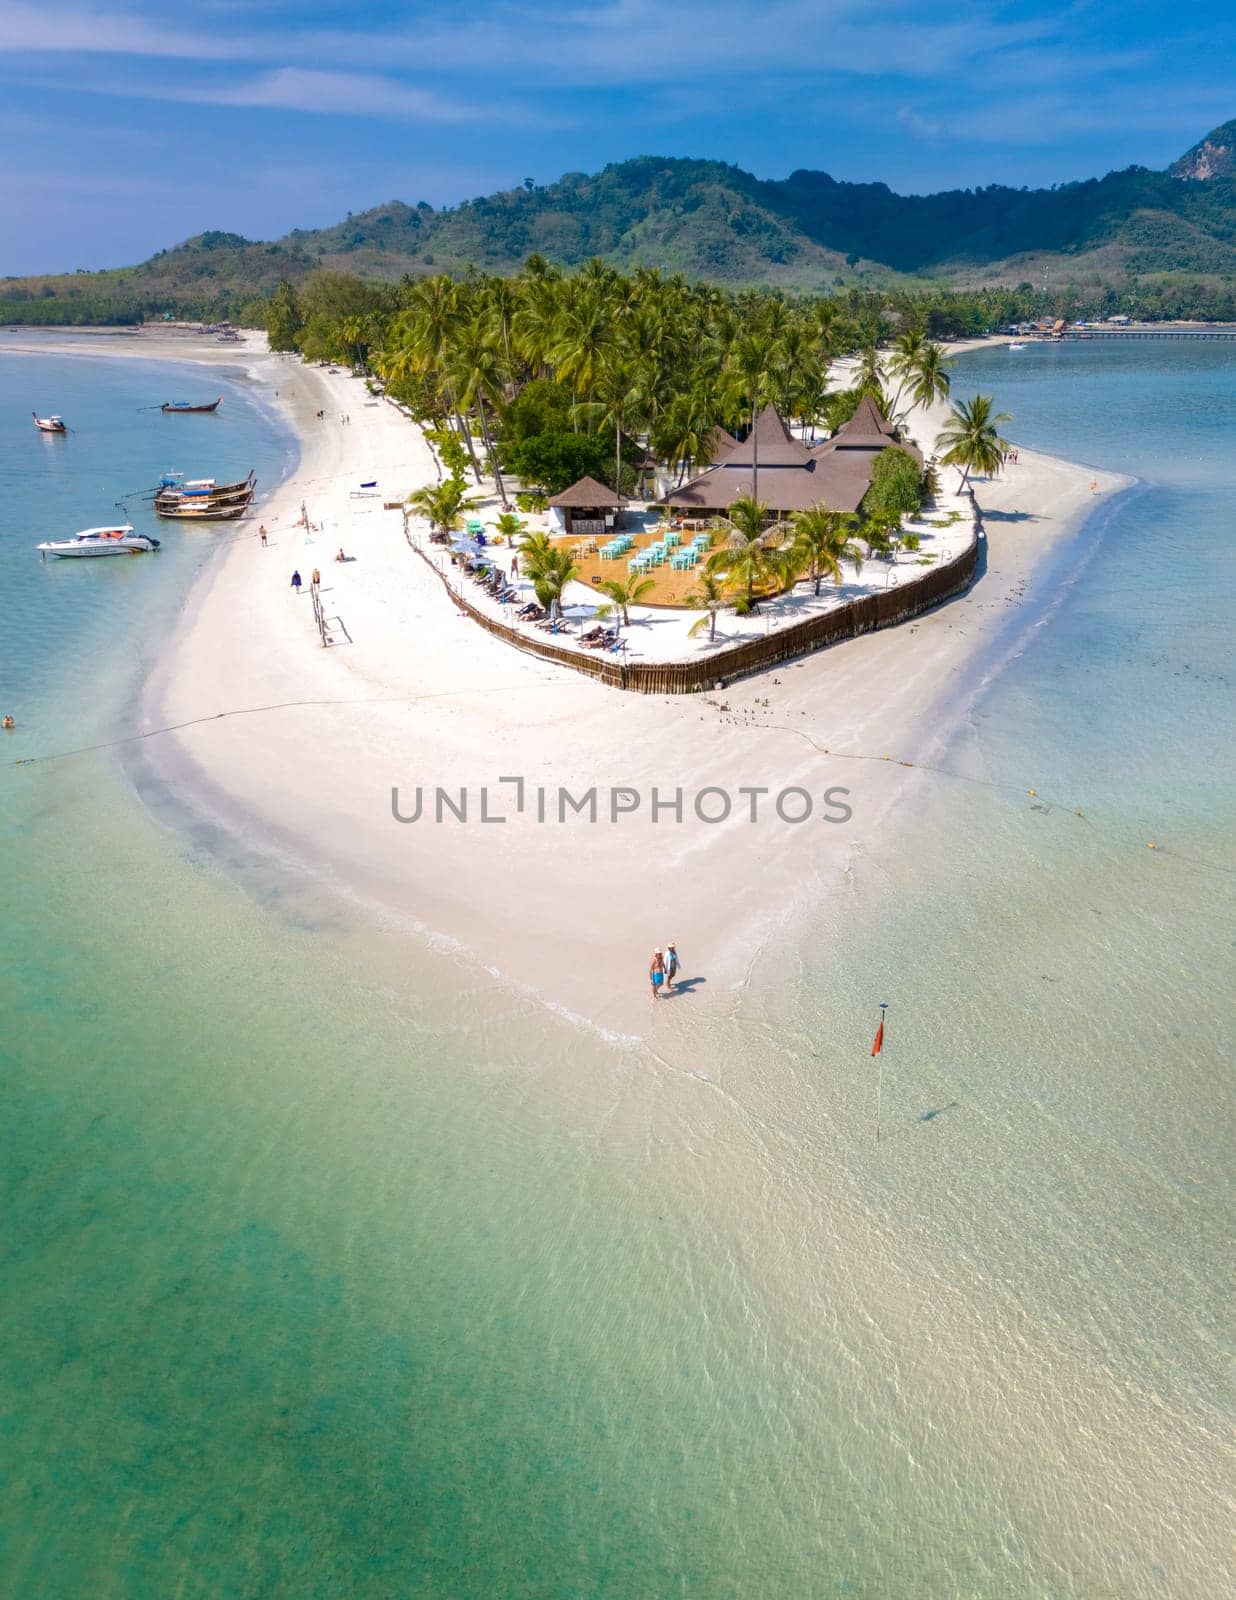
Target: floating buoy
[(1150, 844), (1031, 791)]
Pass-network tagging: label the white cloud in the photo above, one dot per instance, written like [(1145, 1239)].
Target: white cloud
[(303, 89), (55, 30), (361, 94)]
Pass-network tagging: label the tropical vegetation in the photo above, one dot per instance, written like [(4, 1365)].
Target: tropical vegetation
[(971, 440), (822, 540)]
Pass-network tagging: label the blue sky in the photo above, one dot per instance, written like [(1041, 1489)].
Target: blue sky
[(131, 126)]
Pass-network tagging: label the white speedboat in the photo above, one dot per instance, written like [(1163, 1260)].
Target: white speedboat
[(122, 541), (1015, 344), (52, 424)]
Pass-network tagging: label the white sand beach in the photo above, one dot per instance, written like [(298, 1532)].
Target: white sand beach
[(414, 693)]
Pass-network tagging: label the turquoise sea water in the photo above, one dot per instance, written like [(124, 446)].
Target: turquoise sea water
[(329, 1272)]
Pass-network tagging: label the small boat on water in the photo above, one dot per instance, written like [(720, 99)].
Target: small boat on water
[(185, 407), (1016, 344), (202, 499), (176, 483), (51, 424), (204, 510), (121, 541)]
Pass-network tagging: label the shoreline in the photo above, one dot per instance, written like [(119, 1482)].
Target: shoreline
[(566, 913)]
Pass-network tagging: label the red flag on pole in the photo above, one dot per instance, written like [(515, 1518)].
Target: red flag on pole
[(879, 1039)]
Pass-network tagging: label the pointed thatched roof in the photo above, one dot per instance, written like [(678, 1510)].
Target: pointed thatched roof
[(721, 444), (792, 476), (867, 429), (588, 495), (777, 447)]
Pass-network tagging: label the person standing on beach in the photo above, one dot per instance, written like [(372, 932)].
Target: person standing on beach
[(262, 535), (672, 964), (656, 973), (296, 580), (316, 579)]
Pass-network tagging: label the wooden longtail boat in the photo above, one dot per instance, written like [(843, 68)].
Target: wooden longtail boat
[(208, 511), (243, 491), (184, 406), (175, 483), (49, 424)]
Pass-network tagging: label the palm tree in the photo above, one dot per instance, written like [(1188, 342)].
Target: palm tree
[(869, 377), (549, 566), (509, 527), (550, 575), (684, 431), (618, 403), (970, 438), (627, 592), (425, 334), (746, 558), (907, 348), (582, 339), (822, 542), (357, 335), (800, 376), (928, 376), (475, 374), (532, 320), (442, 503), (753, 362), (710, 597)]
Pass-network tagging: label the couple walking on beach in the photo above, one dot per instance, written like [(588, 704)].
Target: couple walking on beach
[(663, 969)]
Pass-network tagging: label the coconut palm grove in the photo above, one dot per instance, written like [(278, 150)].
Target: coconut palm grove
[(594, 388)]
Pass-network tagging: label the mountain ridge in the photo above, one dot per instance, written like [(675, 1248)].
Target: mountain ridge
[(713, 220)]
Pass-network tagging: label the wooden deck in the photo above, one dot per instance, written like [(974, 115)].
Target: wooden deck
[(670, 588)]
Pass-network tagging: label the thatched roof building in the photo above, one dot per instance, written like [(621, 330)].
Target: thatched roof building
[(793, 476), (585, 506)]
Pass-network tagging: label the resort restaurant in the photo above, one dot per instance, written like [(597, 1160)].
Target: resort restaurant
[(786, 474)]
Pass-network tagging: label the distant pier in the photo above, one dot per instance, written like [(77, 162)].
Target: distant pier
[(1149, 333)]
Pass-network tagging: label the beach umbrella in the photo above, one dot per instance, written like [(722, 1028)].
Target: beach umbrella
[(580, 613), (466, 547)]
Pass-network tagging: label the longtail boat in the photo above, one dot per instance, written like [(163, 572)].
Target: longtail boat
[(203, 497), (204, 510), (176, 482), (184, 406), (49, 424)]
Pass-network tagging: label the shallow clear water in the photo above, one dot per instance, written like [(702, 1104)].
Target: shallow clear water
[(331, 1271)]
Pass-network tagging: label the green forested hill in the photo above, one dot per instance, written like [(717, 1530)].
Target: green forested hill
[(706, 219)]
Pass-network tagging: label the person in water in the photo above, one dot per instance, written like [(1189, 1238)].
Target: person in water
[(656, 973), (296, 580), (9, 723), (672, 964)]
